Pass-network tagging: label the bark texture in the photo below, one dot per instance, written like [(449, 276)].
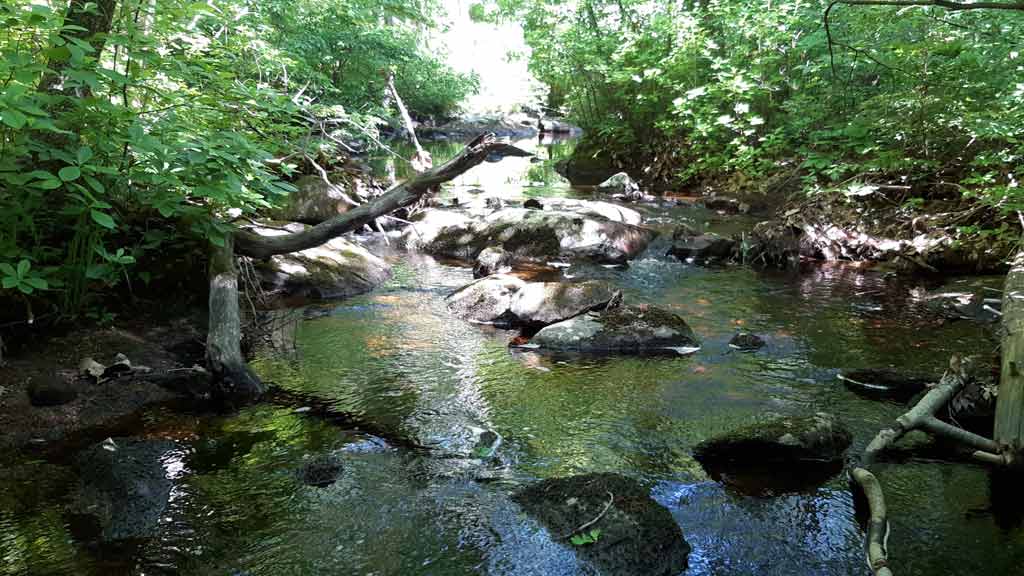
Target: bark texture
[(234, 381), (1009, 426)]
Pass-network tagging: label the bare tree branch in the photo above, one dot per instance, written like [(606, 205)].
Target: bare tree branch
[(404, 194)]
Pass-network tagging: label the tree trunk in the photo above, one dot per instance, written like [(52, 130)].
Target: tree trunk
[(234, 382), (1009, 427), (96, 21)]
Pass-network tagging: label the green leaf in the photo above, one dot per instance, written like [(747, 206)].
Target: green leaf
[(69, 173), (7, 269), (23, 268), (102, 218), (94, 184), (25, 288), (84, 154), (37, 283), (48, 184), (10, 281), (13, 118)]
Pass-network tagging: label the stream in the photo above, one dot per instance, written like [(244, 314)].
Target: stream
[(416, 495)]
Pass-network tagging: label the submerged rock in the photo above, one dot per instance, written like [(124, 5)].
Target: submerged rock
[(543, 303), (51, 390), (487, 301), (620, 184), (786, 440), (338, 269), (703, 249), (586, 167), (553, 126), (746, 341), (492, 260), (124, 484), (321, 471), (623, 329), (635, 536)]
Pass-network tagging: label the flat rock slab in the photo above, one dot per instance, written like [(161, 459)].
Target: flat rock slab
[(786, 440), (625, 329), (534, 235), (487, 301), (638, 536), (543, 303)]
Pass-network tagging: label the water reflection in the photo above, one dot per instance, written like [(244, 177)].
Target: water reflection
[(426, 502)]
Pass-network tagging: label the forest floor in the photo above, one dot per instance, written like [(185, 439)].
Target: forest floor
[(161, 344)]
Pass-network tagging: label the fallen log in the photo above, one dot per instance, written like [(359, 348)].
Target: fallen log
[(402, 195), (234, 381)]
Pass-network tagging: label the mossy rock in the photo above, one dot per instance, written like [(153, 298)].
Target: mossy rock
[(637, 535)]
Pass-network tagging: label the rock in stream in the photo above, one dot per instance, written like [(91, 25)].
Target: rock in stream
[(636, 535), (624, 329)]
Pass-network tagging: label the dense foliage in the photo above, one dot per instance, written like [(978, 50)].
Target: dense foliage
[(132, 128), (686, 90)]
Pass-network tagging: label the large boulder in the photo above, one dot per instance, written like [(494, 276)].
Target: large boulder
[(542, 303), (486, 301), (626, 532), (703, 249), (624, 329), (124, 484), (620, 184), (506, 300), (529, 235), (338, 269), (785, 440), (316, 200)]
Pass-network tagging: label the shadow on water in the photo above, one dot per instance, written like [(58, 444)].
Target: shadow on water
[(465, 421)]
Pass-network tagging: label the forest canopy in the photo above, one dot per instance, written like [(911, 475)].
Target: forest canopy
[(140, 127)]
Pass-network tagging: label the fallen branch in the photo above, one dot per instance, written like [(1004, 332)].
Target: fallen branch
[(921, 416), (402, 195), (585, 525), (877, 540)]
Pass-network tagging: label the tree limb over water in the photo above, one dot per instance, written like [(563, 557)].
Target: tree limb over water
[(233, 382)]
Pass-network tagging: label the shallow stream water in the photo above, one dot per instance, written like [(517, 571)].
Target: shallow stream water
[(415, 498)]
